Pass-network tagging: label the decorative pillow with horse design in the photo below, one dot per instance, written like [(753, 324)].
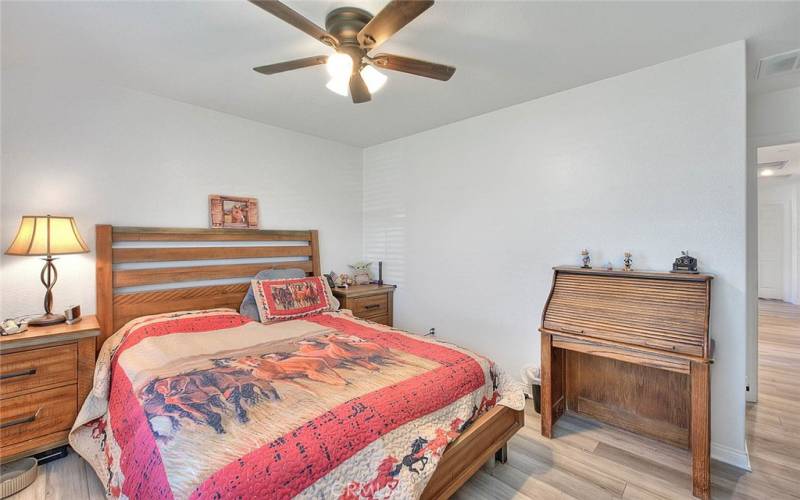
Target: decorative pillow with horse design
[(249, 307), (292, 298)]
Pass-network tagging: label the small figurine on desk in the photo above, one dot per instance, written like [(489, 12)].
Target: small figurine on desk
[(344, 281), (628, 261), (587, 261), (361, 272), (609, 266), (685, 264)]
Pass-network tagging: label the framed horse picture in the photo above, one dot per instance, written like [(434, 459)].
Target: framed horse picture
[(232, 211)]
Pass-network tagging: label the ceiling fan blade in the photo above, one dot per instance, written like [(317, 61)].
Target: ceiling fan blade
[(282, 11), (390, 20), (271, 69), (413, 66), (358, 89)]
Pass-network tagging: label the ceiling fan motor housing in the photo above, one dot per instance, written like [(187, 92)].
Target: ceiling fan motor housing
[(345, 22)]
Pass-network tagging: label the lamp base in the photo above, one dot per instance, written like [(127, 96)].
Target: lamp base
[(47, 319)]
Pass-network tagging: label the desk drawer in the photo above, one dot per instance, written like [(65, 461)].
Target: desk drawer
[(32, 415), (24, 370), (375, 305)]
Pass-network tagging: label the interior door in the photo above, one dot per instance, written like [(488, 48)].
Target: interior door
[(770, 251)]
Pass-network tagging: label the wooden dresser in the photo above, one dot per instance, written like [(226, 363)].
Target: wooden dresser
[(631, 349), (372, 302), (45, 375)]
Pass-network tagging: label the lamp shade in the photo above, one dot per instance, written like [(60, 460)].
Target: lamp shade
[(47, 235)]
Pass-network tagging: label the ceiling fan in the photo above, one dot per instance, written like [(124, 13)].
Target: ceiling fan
[(353, 33)]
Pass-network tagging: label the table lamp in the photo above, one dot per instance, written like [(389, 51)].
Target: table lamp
[(47, 235)]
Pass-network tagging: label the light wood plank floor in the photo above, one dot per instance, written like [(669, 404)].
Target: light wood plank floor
[(588, 460)]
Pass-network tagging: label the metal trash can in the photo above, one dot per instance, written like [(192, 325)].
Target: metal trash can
[(537, 397)]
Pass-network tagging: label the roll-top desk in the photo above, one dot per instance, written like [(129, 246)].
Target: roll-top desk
[(631, 349)]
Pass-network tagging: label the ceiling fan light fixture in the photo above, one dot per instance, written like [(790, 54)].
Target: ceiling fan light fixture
[(339, 86), (373, 78), (339, 66)]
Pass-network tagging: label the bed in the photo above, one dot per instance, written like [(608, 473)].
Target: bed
[(184, 404)]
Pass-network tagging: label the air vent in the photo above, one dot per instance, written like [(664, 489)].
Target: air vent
[(774, 165), (779, 64)]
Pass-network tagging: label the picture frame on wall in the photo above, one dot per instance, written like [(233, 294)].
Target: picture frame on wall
[(232, 212)]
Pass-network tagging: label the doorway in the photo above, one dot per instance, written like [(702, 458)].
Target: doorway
[(779, 222), (776, 242)]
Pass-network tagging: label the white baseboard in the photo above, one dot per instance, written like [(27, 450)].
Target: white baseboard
[(737, 458)]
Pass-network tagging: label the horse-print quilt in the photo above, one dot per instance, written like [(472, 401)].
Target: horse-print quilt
[(209, 404)]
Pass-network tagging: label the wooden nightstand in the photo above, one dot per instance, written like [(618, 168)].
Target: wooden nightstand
[(372, 302), (45, 375)]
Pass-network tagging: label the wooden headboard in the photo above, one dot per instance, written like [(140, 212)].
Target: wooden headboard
[(136, 279)]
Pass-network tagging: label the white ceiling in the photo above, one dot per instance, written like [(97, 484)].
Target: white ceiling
[(506, 53)]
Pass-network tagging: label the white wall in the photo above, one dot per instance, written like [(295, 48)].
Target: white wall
[(111, 155), (470, 217), (774, 117)]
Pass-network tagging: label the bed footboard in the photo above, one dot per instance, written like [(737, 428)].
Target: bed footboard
[(484, 439)]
